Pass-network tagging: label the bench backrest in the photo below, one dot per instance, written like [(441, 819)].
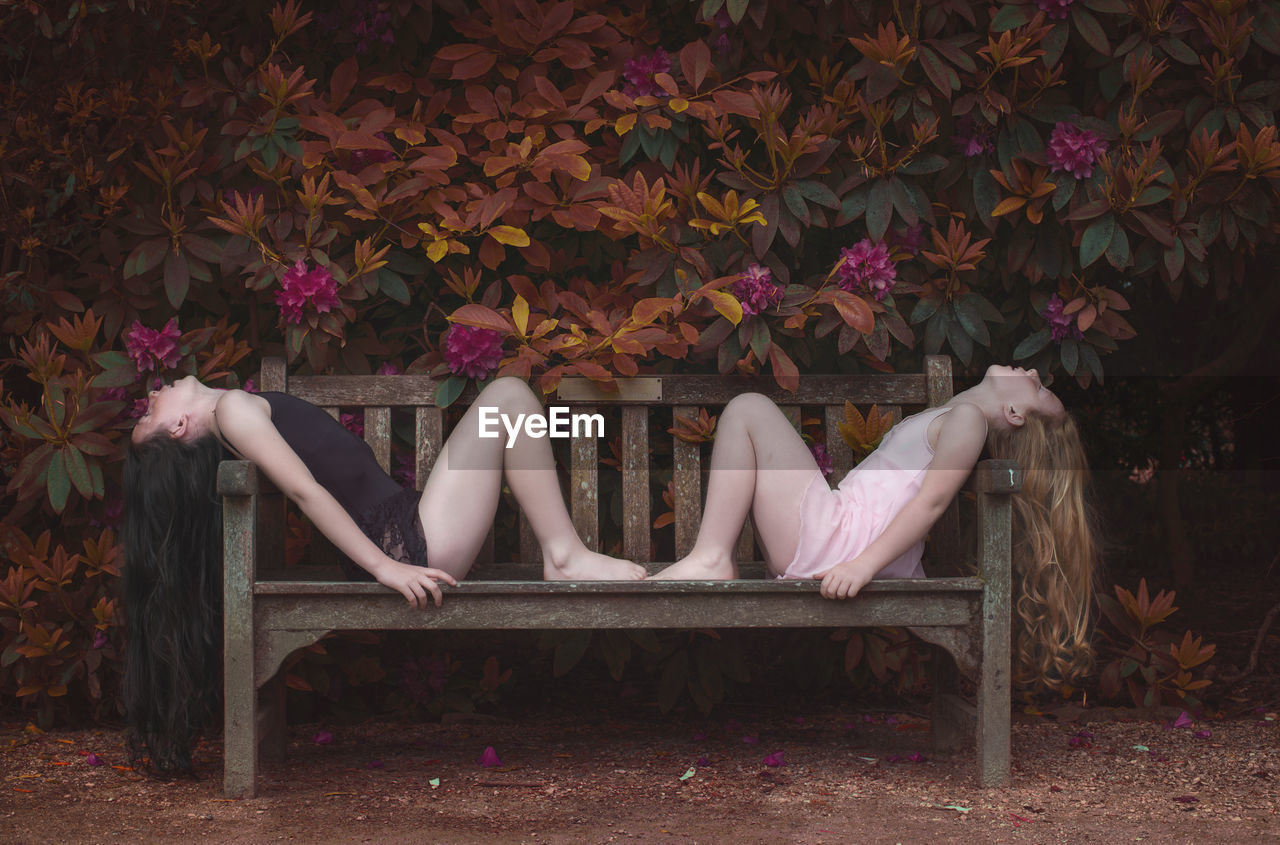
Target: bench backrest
[(677, 396)]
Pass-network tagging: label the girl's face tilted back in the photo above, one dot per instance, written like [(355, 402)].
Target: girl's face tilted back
[(1021, 392), (168, 410)]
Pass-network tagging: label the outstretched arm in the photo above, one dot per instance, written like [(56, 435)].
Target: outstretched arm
[(245, 424), (960, 440)]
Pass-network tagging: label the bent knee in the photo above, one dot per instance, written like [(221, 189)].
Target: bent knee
[(507, 389), (748, 405)]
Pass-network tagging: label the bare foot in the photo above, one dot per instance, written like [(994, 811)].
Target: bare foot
[(697, 567), (586, 565)]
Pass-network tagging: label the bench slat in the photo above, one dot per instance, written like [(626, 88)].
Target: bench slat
[(906, 389), (521, 608), (915, 586), (687, 485), (377, 433), (635, 483), (584, 486), (429, 431)]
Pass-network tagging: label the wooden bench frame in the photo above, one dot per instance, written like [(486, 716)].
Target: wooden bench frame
[(266, 620)]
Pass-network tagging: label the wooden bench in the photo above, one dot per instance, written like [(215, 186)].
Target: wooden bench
[(267, 619)]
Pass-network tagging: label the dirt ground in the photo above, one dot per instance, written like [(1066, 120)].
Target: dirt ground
[(581, 774)]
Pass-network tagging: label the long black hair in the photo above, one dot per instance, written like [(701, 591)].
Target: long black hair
[(172, 598)]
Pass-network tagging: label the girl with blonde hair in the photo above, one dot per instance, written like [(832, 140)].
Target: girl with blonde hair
[(874, 524)]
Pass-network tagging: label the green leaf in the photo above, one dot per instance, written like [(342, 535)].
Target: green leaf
[(1179, 51), (1070, 354), (923, 165), (569, 652), (960, 341), (925, 308), (820, 194), (879, 209), (448, 391), (77, 471), (1118, 250), (1010, 17), (177, 279), (118, 370), (1096, 239), (59, 485), (392, 285), (737, 9), (969, 315), (1032, 344), (986, 195), (1089, 28)]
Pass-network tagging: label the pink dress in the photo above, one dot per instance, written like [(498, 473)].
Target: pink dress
[(837, 525)]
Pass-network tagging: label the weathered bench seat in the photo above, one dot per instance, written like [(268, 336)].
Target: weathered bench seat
[(266, 619)]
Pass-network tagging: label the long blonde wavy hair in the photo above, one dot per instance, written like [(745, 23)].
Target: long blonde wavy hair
[(1055, 551)]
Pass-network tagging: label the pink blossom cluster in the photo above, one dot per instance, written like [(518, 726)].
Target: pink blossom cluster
[(405, 471), (972, 138), (353, 423), (151, 349), (722, 22), (867, 268), (1074, 150), (822, 458), (298, 286), (639, 73), (388, 369), (363, 158), (1055, 9), (1061, 326), (471, 351), (909, 239), (756, 289), (372, 25)]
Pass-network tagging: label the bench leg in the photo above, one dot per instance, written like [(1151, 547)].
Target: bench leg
[(240, 724), (994, 702), (271, 719), (954, 719)]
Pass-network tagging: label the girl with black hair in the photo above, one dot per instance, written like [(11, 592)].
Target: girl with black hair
[(406, 541)]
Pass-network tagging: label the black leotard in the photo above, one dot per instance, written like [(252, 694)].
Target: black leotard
[(344, 465)]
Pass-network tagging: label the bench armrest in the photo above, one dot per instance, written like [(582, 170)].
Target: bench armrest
[(995, 476), (242, 478)]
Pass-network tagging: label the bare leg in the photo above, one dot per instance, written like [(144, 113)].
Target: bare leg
[(759, 464), (461, 495)]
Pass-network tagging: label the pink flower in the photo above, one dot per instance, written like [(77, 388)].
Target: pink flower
[(1080, 738), (751, 739), (1074, 150), (1055, 9), (702, 762), (822, 458), (471, 351), (249, 386), (1061, 326), (489, 759), (388, 369), (353, 423), (405, 471), (867, 268), (639, 73), (917, 757), (909, 239), (775, 759), (151, 349), (322, 738), (298, 286), (99, 639), (361, 159), (756, 289), (1183, 721), (972, 139), (94, 760)]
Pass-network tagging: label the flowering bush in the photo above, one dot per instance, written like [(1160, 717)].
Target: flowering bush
[(566, 189)]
